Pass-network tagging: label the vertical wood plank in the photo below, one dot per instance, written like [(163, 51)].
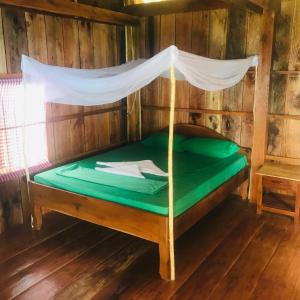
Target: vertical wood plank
[(10, 196), (292, 127), (294, 62), (217, 49), (275, 137), (86, 54), (86, 45), (167, 38), (37, 49), (200, 33), (183, 40), (278, 135), (235, 48), (252, 36), (3, 68), (101, 41), (261, 101), (154, 89), (55, 42), (282, 35), (145, 50), (97, 132), (15, 38), (292, 93), (36, 32), (70, 37), (254, 22)]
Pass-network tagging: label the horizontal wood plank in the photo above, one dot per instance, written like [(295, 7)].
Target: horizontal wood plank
[(200, 111), (282, 171), (75, 10), (109, 214), (141, 8)]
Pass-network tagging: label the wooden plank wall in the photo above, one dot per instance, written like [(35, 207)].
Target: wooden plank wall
[(228, 34), (284, 124), (217, 34), (71, 130)]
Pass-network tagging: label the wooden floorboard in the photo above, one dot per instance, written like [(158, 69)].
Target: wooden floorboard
[(26, 237), (229, 254), (51, 263), (81, 266), (220, 261), (238, 284), (33, 255), (279, 280)]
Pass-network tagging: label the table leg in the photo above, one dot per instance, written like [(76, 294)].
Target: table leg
[(259, 195), (297, 205), (2, 224)]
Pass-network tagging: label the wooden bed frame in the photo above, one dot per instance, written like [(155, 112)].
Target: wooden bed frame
[(143, 224)]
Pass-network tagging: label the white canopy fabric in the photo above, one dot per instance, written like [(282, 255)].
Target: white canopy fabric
[(101, 86)]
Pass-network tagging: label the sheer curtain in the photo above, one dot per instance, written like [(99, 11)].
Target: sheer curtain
[(16, 121)]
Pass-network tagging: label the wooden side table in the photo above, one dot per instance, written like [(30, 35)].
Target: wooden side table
[(280, 177)]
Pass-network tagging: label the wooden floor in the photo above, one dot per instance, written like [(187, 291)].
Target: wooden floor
[(230, 254)]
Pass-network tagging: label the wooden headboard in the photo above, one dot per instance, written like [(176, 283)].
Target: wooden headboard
[(197, 130)]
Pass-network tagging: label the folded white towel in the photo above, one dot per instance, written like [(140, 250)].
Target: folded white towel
[(130, 170), (145, 166)]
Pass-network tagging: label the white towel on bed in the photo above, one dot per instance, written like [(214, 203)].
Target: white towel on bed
[(144, 166), (129, 170)]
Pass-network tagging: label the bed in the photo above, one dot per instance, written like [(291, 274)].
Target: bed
[(200, 183)]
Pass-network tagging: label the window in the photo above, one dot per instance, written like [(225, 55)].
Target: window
[(22, 129)]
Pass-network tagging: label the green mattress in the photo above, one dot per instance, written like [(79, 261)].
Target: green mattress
[(195, 176)]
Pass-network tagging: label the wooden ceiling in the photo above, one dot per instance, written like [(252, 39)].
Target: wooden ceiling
[(108, 4), (69, 8), (175, 6), (114, 12)]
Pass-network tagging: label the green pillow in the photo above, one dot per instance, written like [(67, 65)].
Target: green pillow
[(210, 147), (161, 140)]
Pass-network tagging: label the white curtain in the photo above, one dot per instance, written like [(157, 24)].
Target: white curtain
[(102, 86)]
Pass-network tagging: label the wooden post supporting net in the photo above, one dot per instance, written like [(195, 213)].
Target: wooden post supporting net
[(170, 170)]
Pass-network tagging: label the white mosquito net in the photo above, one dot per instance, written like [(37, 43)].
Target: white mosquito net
[(101, 86)]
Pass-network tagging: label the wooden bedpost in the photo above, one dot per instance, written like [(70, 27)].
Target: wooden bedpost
[(36, 218), (164, 252), (260, 112), (36, 210)]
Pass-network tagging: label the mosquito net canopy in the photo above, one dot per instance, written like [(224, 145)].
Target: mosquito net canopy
[(101, 86)]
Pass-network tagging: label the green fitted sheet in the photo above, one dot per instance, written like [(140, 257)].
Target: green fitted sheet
[(195, 176), (129, 183)]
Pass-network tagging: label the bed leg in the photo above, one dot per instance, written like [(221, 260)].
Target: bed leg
[(244, 188), (36, 218), (164, 260)]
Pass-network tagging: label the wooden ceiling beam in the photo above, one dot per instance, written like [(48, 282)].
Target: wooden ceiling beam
[(116, 5), (171, 6), (176, 6), (273, 5), (75, 10)]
